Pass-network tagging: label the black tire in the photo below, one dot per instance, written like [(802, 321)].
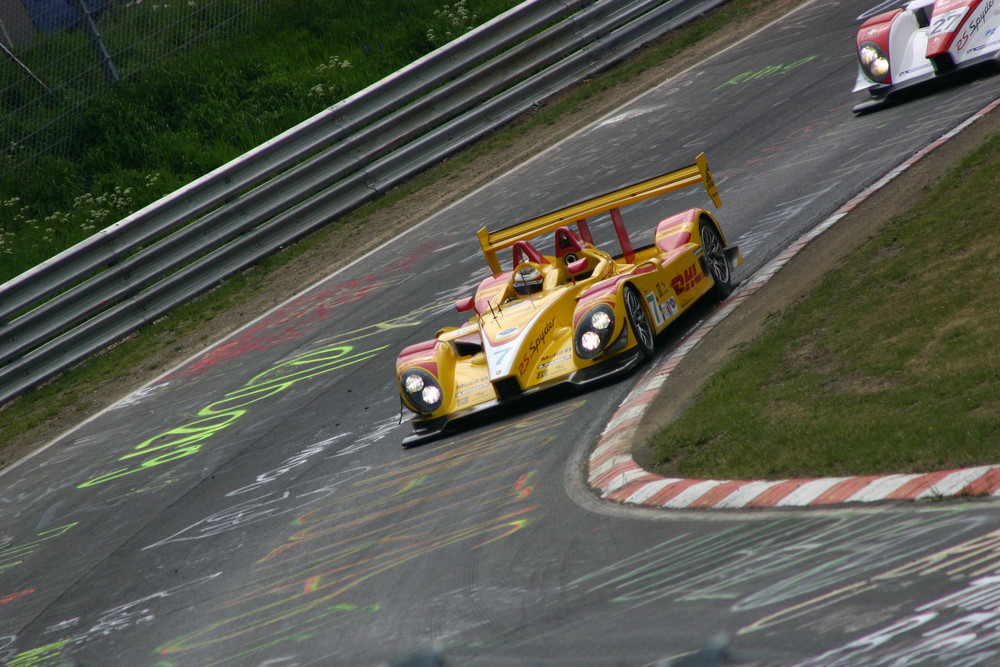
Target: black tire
[(638, 322), (715, 262)]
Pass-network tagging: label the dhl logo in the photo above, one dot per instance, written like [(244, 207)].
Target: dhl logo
[(687, 279)]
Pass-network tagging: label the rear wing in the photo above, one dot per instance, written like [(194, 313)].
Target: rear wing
[(493, 242)]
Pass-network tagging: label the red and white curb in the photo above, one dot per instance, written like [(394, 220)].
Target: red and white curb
[(616, 476)]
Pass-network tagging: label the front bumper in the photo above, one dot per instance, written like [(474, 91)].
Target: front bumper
[(426, 429)]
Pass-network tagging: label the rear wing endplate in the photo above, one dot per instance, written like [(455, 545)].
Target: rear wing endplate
[(493, 242)]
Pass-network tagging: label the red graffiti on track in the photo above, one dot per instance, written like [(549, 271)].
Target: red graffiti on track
[(300, 316)]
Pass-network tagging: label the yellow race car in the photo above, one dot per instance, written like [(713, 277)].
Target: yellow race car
[(574, 316)]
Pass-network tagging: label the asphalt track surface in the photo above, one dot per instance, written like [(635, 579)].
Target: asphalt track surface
[(254, 506)]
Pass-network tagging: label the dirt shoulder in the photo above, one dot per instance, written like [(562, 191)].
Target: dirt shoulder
[(444, 186)]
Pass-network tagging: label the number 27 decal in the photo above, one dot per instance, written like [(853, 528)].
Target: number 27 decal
[(946, 22)]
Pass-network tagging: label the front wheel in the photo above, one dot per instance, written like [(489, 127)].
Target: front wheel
[(716, 263), (638, 322)]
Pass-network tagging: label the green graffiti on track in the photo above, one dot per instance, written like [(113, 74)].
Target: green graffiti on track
[(186, 440)]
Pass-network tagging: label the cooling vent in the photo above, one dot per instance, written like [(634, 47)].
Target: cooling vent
[(508, 388), (466, 349)]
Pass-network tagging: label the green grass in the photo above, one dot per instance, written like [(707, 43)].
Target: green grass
[(160, 129), (891, 365)]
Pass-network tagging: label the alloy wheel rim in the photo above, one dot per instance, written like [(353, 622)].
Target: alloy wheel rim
[(638, 316), (714, 254)]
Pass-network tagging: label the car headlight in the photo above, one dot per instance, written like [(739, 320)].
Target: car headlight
[(874, 62), (421, 390), (594, 331)]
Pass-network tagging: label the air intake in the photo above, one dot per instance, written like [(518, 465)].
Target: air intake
[(508, 388)]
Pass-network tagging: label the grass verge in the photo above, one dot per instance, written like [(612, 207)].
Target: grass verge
[(891, 365), (211, 101)]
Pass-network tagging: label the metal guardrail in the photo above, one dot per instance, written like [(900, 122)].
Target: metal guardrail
[(111, 284)]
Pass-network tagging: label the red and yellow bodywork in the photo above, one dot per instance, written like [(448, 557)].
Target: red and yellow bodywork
[(577, 328)]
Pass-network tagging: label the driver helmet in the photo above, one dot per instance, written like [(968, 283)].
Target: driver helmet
[(527, 280)]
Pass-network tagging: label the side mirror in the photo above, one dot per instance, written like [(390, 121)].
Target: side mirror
[(579, 266), (466, 304)]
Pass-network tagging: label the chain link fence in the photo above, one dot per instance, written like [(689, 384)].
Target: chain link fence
[(56, 55)]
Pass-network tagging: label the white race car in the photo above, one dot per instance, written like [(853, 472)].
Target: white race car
[(923, 40)]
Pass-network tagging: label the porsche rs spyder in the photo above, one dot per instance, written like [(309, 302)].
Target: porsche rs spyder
[(921, 41), (572, 314)]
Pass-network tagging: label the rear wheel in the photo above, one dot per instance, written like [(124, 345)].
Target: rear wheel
[(638, 322), (715, 260)]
